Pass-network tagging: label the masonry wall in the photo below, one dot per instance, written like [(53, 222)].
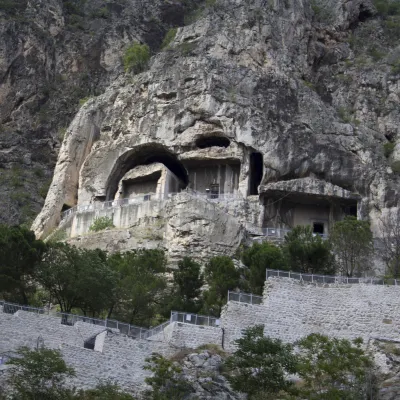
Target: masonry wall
[(292, 309)]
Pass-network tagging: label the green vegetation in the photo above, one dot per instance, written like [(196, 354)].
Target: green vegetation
[(20, 254), (220, 275), (387, 7), (330, 369), (39, 374), (395, 167), (257, 259), (334, 369), (352, 243), (344, 115), (101, 223), (166, 382), (388, 149), (323, 10), (187, 284), (169, 37), (12, 7), (136, 58), (84, 101), (260, 365), (42, 374), (307, 252), (77, 278)]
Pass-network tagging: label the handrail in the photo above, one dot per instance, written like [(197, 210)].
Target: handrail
[(194, 319), (248, 298), (71, 319), (340, 279)]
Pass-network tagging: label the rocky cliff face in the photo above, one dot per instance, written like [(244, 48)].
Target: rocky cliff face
[(312, 86), (54, 55)]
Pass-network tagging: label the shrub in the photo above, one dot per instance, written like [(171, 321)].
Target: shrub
[(257, 259), (261, 365), (136, 58), (169, 37), (388, 149), (396, 167), (101, 223)]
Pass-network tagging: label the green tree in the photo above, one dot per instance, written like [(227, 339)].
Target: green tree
[(166, 382), (257, 259), (187, 284), (353, 245), (307, 252), (136, 57), (260, 365), (39, 375), (334, 369), (220, 275), (77, 278), (141, 285), (20, 253)]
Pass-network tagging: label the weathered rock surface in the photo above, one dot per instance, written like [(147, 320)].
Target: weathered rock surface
[(54, 54), (272, 77)]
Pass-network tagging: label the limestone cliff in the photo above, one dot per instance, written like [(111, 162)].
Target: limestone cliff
[(299, 99), (54, 55)]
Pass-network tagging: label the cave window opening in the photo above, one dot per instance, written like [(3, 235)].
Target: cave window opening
[(210, 141), (318, 228), (65, 207), (256, 172), (214, 191), (351, 211)]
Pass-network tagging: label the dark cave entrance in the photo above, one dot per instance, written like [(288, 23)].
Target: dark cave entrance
[(210, 141), (256, 172), (145, 155)]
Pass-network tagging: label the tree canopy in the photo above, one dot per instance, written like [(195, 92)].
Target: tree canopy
[(353, 246), (20, 253), (307, 252)]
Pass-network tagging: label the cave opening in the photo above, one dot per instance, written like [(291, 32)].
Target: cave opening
[(256, 172), (210, 141), (145, 155)]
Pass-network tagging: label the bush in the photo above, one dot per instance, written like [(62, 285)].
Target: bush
[(166, 382), (396, 167), (169, 37), (334, 369), (136, 58), (101, 223), (257, 259), (308, 253), (388, 149), (261, 365)]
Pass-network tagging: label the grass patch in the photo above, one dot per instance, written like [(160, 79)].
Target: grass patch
[(388, 149), (169, 38), (396, 167), (213, 349), (101, 223)]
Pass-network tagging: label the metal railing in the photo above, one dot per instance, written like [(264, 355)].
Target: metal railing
[(111, 204), (277, 233), (330, 278), (70, 319), (107, 205), (248, 298), (194, 319), (157, 329)]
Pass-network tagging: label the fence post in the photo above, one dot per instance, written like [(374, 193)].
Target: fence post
[(251, 298), (289, 274), (278, 273), (312, 278), (195, 321), (208, 320)]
